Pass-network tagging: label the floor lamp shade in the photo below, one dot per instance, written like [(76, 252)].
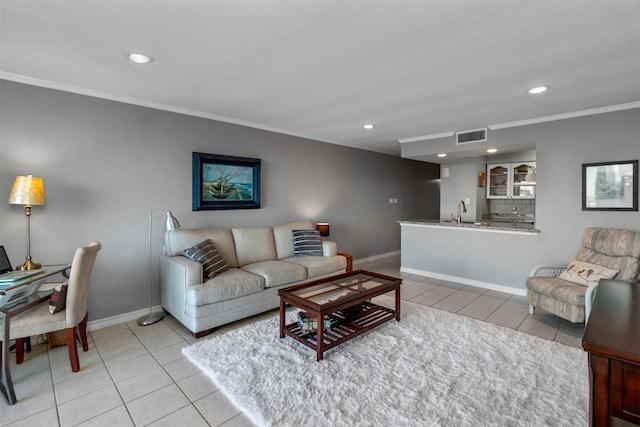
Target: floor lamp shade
[(27, 191), (171, 223)]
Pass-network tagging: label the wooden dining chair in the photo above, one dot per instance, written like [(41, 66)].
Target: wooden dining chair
[(72, 318)]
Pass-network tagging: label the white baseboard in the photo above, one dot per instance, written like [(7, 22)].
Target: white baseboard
[(375, 257), (466, 281), (134, 315), (120, 318)]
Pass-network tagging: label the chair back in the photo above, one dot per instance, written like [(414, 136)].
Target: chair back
[(78, 290), (612, 248)]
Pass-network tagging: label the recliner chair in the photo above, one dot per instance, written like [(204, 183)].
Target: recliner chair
[(607, 247)]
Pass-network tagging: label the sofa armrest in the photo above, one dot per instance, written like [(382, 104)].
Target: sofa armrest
[(545, 271), (182, 269), (329, 248), (177, 273)]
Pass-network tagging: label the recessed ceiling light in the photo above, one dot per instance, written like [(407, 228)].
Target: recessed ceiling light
[(492, 150), (368, 126), (538, 89), (442, 155), (139, 58)]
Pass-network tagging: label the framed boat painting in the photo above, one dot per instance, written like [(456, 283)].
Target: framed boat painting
[(225, 182), (611, 186)]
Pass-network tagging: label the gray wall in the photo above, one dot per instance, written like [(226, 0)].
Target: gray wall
[(561, 149), (106, 165), (457, 187)]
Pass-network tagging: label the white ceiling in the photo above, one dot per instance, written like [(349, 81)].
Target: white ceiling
[(322, 68)]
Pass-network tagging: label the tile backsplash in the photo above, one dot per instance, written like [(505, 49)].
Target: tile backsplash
[(517, 208)]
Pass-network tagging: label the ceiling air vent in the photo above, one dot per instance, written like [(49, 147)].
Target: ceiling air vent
[(471, 136)]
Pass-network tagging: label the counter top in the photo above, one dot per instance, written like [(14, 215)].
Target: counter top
[(499, 227)]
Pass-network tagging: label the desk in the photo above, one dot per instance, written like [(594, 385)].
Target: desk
[(612, 339), (15, 298)]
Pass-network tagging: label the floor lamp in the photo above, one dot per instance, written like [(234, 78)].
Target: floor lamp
[(28, 191), (171, 224)]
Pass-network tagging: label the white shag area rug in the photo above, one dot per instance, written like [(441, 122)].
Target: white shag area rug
[(433, 368)]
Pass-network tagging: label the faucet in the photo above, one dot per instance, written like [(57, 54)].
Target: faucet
[(461, 204)]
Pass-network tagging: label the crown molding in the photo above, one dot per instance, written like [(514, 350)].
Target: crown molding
[(535, 120), (18, 78), (155, 105), (564, 116)]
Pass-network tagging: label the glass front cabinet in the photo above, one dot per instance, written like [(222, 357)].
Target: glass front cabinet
[(511, 180)]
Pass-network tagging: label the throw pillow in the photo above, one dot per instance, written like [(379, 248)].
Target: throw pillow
[(206, 254), (585, 274), (306, 243), (58, 298)]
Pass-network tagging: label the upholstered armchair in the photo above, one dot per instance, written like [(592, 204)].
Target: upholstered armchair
[(568, 291)]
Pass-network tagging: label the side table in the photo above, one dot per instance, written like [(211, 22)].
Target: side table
[(349, 258), (612, 341)]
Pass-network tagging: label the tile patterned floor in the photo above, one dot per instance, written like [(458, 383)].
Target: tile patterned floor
[(137, 376)]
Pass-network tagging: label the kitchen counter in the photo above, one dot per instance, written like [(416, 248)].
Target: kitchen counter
[(490, 255), (498, 227)]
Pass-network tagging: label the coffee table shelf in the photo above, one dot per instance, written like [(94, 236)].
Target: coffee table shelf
[(343, 328), (335, 297)]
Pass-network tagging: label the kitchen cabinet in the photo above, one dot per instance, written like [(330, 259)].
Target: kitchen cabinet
[(511, 180)]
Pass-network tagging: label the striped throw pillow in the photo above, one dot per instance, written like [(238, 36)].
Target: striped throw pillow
[(206, 254), (306, 243)]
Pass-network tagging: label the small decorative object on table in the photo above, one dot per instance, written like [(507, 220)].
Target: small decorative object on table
[(309, 323)]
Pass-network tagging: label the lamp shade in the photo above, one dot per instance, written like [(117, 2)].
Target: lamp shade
[(27, 190), (172, 222), (323, 228)]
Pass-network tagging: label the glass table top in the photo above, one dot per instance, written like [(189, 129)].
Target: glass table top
[(331, 290)]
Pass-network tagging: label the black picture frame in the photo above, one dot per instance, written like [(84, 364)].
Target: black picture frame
[(610, 186), (225, 182)]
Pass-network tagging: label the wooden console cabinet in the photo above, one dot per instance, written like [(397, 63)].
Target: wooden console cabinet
[(612, 339)]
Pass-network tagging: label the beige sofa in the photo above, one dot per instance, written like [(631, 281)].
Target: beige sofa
[(611, 248), (261, 261)]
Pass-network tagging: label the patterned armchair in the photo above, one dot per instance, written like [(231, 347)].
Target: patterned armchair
[(607, 247)]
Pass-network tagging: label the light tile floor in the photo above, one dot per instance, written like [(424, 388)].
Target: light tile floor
[(137, 376)]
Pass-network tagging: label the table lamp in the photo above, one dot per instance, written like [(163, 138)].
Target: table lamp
[(170, 224), (28, 191), (323, 228)]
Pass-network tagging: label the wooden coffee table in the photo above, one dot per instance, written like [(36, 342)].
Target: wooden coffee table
[(345, 300)]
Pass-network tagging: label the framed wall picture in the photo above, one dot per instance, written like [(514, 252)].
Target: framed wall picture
[(610, 186), (225, 182)]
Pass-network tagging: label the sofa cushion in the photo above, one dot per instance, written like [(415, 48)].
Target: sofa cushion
[(206, 254), (320, 265), (277, 273), (585, 274), (282, 237), (253, 244), (233, 283), (176, 241), (559, 289), (306, 243)]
